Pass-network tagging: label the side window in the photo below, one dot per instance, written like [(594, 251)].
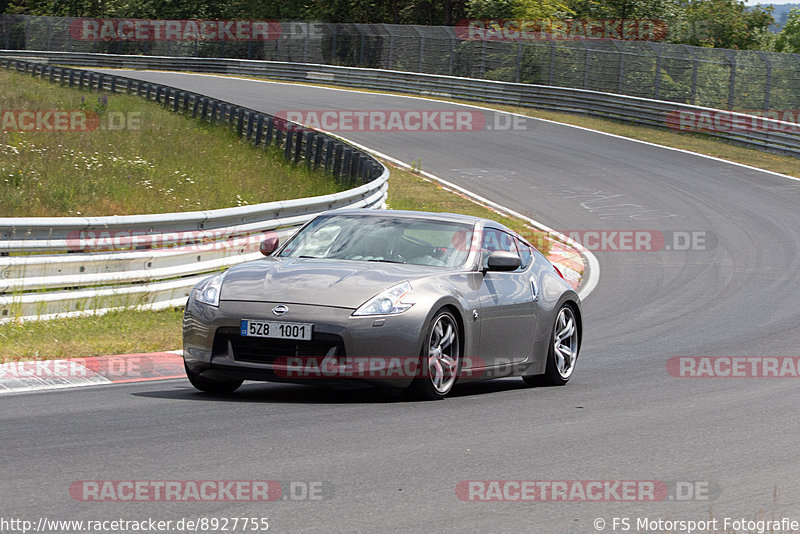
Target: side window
[(494, 240), (525, 254)]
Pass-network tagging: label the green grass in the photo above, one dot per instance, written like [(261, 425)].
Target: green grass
[(122, 332), (163, 162)]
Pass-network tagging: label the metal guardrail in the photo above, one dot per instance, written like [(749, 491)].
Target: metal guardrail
[(773, 136), (94, 264)]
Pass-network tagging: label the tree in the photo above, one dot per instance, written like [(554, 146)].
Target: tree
[(727, 24), (789, 38)]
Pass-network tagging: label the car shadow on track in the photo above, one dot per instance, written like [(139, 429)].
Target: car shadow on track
[(301, 394)]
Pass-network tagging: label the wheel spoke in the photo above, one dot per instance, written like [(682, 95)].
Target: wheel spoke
[(567, 331), (438, 375)]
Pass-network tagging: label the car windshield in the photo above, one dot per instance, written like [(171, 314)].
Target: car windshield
[(383, 239)]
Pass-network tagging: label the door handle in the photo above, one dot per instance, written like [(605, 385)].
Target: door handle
[(535, 290)]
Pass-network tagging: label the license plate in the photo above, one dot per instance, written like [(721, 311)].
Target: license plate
[(278, 330)]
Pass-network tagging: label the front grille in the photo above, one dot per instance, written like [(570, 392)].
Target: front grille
[(266, 350)]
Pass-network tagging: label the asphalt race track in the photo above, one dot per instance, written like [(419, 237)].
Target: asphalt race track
[(387, 463)]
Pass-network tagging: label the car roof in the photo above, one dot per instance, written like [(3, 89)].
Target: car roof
[(429, 215)]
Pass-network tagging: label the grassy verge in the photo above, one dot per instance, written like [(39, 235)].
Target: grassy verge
[(140, 158), (121, 332)]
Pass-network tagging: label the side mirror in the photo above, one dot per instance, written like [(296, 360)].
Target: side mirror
[(500, 260), (268, 245)]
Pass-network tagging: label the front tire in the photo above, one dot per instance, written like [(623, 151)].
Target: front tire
[(563, 352), (440, 360), (209, 385)]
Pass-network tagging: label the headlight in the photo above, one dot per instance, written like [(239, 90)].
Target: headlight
[(208, 291), (388, 302)]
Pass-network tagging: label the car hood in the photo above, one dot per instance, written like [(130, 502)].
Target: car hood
[(340, 283)]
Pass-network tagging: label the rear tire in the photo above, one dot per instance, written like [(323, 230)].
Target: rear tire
[(563, 352), (440, 361), (209, 385)]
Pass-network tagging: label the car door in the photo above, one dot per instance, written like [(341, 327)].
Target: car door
[(508, 304)]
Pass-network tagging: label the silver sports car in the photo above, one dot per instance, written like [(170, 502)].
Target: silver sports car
[(410, 300)]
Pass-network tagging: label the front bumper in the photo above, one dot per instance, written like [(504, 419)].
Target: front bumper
[(378, 350)]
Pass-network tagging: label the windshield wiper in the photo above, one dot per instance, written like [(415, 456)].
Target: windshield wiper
[(388, 261)]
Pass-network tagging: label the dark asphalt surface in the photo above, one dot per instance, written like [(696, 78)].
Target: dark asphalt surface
[(387, 463)]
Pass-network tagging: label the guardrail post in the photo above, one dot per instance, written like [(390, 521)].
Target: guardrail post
[(298, 145), (250, 125), (311, 139), (128, 86), (281, 130), (205, 108), (270, 130), (320, 148), (214, 109), (81, 78), (195, 106), (328, 155), (347, 161), (71, 77), (259, 129), (359, 167), (240, 122), (337, 160), (113, 84), (287, 147), (176, 100)]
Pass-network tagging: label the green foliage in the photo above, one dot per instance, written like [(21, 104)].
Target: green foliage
[(727, 24), (490, 9), (789, 38)]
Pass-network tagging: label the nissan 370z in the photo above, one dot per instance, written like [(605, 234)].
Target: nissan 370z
[(410, 300)]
